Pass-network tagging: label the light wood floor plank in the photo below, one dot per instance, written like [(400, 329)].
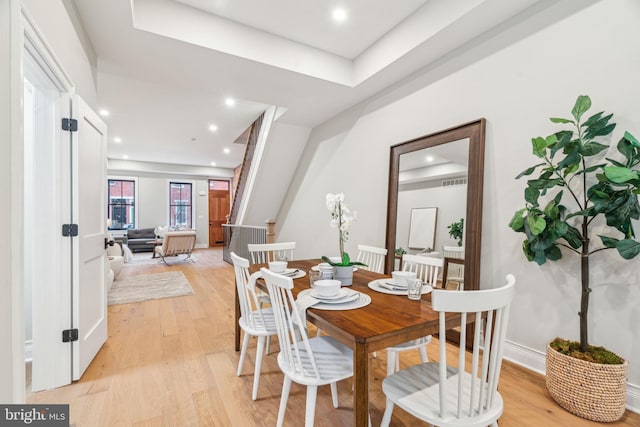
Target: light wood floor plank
[(171, 362)]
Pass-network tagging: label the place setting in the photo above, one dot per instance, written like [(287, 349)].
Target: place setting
[(328, 294), (280, 267), (401, 283)]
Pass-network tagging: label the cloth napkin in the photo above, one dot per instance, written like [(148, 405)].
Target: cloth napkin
[(391, 287)]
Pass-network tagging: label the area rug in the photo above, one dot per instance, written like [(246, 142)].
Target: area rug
[(149, 286)]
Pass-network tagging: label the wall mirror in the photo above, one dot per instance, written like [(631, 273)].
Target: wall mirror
[(443, 170)]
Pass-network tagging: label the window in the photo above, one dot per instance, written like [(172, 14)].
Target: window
[(180, 205), (121, 204)]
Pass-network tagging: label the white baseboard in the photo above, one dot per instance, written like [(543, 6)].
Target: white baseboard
[(201, 246), (535, 361), (28, 353)]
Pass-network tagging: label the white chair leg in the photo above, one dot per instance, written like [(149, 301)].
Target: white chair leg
[(386, 418), (258, 367), (334, 394), (268, 350), (312, 393), (286, 386), (243, 352), (423, 354), (391, 362)]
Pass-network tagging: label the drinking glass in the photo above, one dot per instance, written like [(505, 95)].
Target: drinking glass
[(414, 289), (313, 276)]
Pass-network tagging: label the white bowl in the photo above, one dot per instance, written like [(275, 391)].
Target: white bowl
[(278, 266), (327, 288), (402, 278)]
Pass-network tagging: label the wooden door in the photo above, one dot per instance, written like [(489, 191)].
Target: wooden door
[(219, 206)]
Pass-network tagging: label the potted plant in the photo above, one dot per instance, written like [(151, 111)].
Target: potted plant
[(341, 219), (576, 188), (456, 229)]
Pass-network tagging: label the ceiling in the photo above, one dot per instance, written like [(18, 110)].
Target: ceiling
[(166, 67)]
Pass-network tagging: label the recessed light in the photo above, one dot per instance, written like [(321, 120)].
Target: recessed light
[(213, 163), (117, 139), (124, 156), (104, 113), (339, 15), (429, 159), (213, 128), (230, 102), (226, 151)]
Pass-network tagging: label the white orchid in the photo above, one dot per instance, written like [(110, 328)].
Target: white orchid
[(341, 218)]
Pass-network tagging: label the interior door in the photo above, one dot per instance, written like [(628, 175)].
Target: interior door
[(219, 206), (89, 300)]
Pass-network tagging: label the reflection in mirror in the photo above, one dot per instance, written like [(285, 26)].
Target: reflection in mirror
[(443, 170), (435, 178)]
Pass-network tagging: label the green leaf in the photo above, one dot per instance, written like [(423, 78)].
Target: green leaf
[(573, 237), (628, 248), (531, 195), (529, 171), (632, 139), (583, 103), (592, 148), (608, 242), (345, 259), (327, 260), (592, 132), (536, 223), (560, 120), (619, 175), (539, 145), (564, 138), (517, 222), (527, 251), (553, 253)]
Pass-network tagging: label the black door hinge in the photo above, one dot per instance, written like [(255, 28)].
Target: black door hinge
[(69, 230), (69, 335), (70, 125)]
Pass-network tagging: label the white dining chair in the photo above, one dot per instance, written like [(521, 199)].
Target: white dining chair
[(455, 273), (426, 269), (254, 321), (262, 253), (373, 257), (307, 361), (465, 395)]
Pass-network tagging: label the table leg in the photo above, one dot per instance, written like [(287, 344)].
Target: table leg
[(361, 386)]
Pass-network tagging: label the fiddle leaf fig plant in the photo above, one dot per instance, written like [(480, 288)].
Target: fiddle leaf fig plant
[(573, 186), (456, 230)]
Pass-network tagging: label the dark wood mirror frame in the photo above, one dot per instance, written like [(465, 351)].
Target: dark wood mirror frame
[(475, 132)]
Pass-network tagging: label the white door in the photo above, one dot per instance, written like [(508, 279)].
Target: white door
[(89, 300)]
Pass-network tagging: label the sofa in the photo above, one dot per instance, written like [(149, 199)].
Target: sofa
[(141, 239)]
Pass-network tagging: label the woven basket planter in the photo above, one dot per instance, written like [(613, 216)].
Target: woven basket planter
[(589, 390)]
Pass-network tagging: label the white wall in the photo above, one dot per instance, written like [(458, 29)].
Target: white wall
[(284, 145), (153, 200), (451, 204), (516, 84)]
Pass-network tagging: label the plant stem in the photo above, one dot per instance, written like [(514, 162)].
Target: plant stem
[(584, 298), (340, 232)]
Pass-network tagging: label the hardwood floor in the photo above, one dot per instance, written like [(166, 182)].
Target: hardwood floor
[(171, 362)]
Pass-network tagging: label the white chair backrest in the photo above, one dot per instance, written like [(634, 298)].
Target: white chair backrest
[(373, 257), (178, 242), (426, 268), (246, 286), (473, 393), (295, 348), (262, 253)]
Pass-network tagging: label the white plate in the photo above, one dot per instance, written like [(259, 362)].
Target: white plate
[(341, 294), (375, 285), (362, 300)]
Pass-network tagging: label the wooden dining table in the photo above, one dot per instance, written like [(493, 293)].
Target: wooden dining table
[(388, 320)]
